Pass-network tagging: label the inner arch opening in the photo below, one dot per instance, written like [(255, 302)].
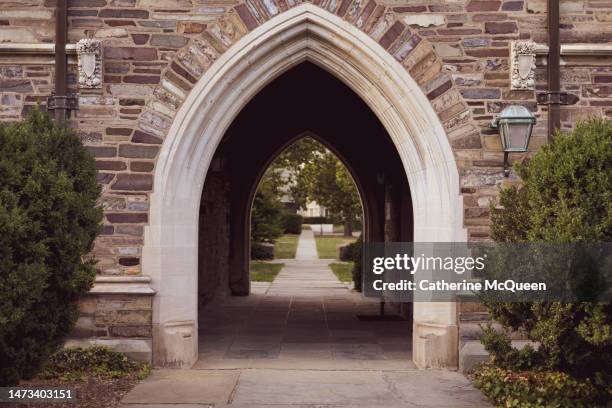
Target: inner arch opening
[(305, 187), (286, 110)]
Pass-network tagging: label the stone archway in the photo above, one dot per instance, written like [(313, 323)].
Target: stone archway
[(305, 32)]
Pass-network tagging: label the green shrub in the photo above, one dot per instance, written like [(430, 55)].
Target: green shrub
[(566, 194), (260, 251), (91, 362), (537, 389), (293, 223), (48, 221), (499, 345), (357, 262), (566, 197), (266, 217)]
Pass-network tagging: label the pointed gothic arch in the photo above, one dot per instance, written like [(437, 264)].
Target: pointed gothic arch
[(303, 33)]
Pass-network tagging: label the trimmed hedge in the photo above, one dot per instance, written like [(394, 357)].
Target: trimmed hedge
[(260, 251), (293, 223), (316, 220), (49, 219)]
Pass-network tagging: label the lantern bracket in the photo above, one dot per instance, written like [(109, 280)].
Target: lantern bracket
[(69, 102), (556, 98), (506, 165)]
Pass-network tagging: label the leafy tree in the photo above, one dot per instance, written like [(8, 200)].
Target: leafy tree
[(331, 185), (283, 174), (48, 221), (566, 197), (268, 215), (305, 171)]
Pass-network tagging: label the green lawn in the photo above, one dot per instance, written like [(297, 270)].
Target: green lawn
[(264, 271), (286, 246), (327, 246), (343, 271)]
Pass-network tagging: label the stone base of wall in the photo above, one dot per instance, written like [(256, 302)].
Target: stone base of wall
[(435, 345), (176, 344), (117, 313)]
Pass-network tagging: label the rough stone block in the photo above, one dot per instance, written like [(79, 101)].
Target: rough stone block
[(127, 218), (168, 41), (447, 50), (113, 32), (122, 317), (102, 151), (135, 230), (110, 165), (481, 93), (86, 3), (424, 20), (130, 331), (135, 151), (141, 79), (143, 137), (11, 71), (15, 85), (123, 13), (483, 5), (129, 261), (391, 35), (141, 166), (133, 182), (505, 27), (130, 53), (513, 6)]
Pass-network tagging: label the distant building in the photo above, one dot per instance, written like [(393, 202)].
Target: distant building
[(313, 209)]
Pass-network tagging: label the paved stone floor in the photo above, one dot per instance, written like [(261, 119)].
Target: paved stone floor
[(298, 342)]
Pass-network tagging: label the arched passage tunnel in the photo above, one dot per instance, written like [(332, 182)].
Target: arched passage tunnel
[(305, 100)]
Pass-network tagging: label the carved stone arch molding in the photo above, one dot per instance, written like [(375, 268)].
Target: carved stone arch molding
[(220, 72)]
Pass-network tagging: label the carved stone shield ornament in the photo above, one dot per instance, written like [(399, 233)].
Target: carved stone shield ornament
[(90, 63), (523, 65)]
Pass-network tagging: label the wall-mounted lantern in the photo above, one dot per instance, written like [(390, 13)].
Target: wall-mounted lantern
[(515, 125)]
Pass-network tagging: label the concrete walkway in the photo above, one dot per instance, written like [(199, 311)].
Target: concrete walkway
[(302, 342), (307, 247)]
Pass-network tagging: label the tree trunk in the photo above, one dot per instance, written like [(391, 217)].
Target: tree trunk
[(348, 228)]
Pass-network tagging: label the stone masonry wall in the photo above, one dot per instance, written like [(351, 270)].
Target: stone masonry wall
[(214, 239), (156, 50)]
